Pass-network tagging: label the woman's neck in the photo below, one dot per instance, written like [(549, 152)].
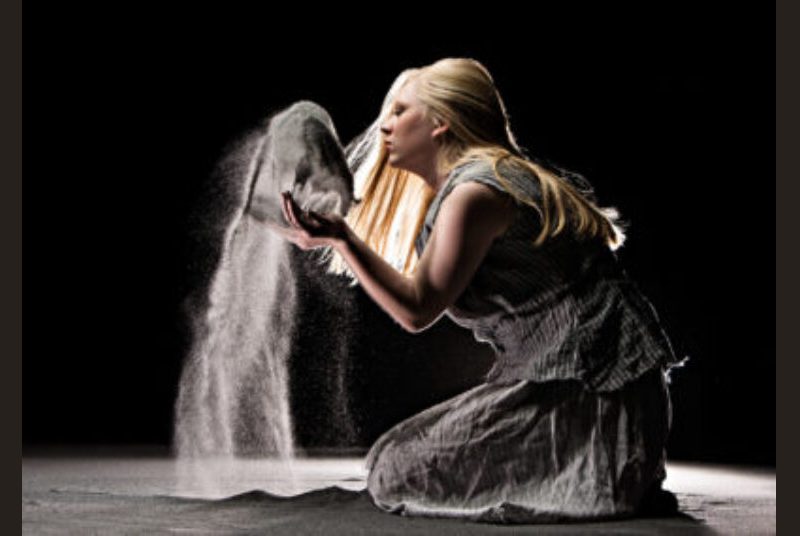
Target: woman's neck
[(435, 175)]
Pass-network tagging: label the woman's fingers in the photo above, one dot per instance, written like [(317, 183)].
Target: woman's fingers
[(313, 219), (291, 211), (287, 211), (303, 219), (301, 216), (306, 228), (284, 209)]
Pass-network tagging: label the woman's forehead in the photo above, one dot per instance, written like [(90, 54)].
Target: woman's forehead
[(407, 94)]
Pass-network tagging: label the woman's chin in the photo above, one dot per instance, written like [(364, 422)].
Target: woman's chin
[(395, 161)]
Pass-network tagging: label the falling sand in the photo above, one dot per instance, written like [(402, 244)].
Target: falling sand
[(233, 402)]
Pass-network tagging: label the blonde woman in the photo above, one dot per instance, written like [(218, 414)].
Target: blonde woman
[(571, 422)]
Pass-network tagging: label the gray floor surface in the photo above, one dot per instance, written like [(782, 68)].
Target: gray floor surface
[(115, 494)]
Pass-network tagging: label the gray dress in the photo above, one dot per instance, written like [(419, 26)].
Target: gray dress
[(571, 422)]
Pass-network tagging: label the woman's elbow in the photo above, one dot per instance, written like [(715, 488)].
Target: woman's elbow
[(414, 327), (422, 321), (424, 311)]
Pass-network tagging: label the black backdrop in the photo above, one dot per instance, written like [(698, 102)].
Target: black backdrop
[(669, 114)]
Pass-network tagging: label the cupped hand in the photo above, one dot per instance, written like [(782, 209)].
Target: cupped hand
[(309, 229)]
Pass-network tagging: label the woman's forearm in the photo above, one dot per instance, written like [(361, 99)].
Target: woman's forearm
[(392, 291)]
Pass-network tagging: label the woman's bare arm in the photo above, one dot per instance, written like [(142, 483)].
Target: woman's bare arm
[(470, 218)]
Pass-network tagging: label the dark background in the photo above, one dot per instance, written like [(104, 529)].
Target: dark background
[(125, 112)]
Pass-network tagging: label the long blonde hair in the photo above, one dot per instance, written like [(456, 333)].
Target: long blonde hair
[(392, 203)]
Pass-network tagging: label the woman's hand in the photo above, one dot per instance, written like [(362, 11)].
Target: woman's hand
[(309, 229)]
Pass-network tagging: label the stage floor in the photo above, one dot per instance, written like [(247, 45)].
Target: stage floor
[(108, 493)]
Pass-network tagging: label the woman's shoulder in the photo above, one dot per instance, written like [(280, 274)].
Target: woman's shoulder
[(471, 173), (477, 186), (475, 169), (508, 177), (503, 203)]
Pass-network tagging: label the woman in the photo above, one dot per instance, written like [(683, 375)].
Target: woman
[(572, 420)]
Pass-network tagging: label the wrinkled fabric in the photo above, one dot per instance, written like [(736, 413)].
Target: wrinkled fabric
[(564, 310), (526, 452), (573, 418)]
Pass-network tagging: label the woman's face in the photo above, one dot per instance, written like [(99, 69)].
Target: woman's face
[(408, 134)]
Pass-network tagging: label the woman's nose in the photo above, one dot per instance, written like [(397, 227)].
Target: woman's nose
[(386, 127)]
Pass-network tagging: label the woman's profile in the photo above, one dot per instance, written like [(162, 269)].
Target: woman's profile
[(454, 218)]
